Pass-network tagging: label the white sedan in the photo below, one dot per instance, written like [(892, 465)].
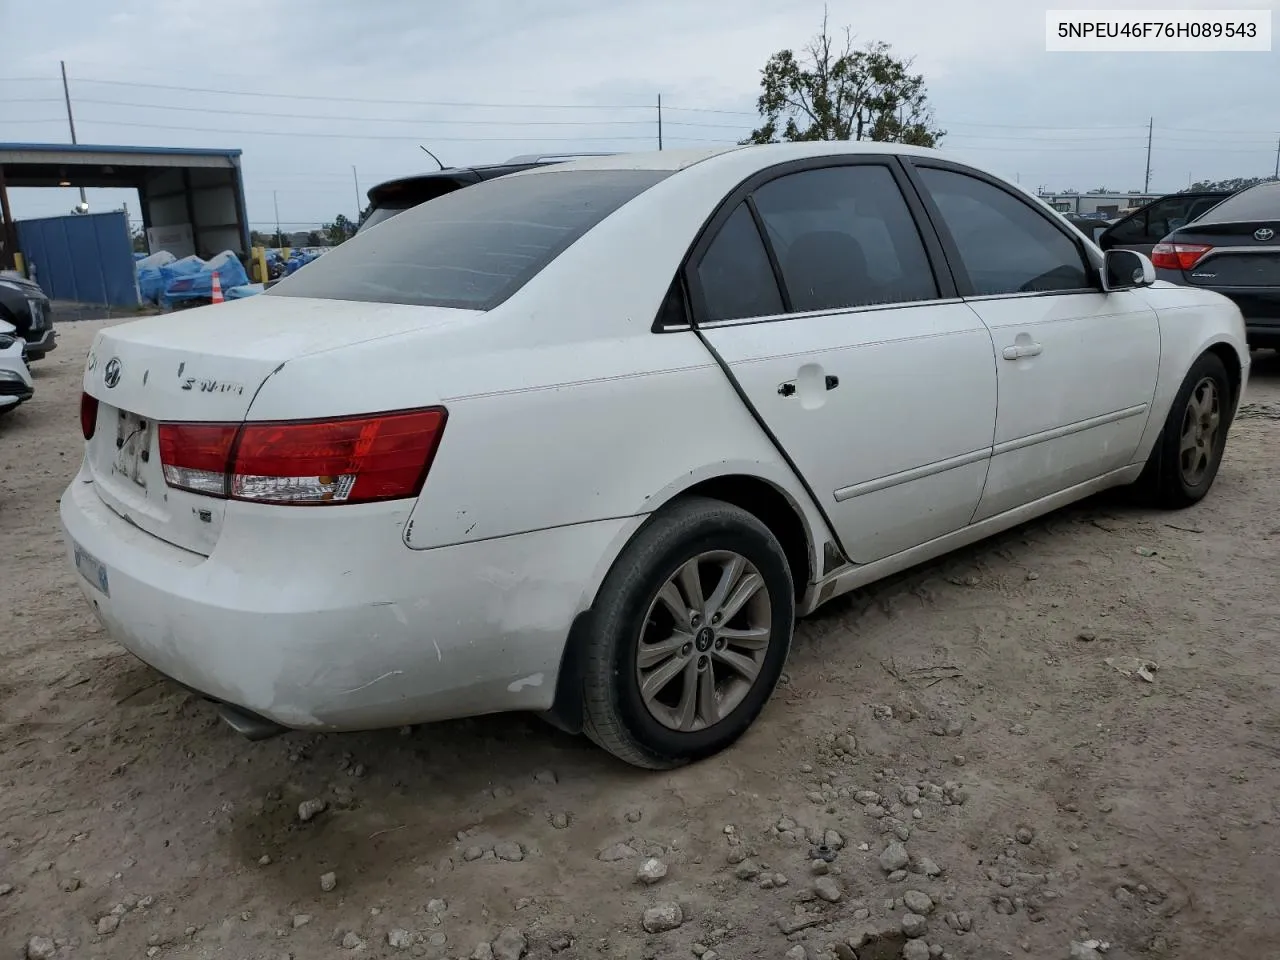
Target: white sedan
[(15, 377), (585, 440)]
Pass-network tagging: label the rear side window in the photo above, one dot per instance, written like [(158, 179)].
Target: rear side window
[(1256, 203), (472, 248), (844, 237), (1005, 245), (735, 276)]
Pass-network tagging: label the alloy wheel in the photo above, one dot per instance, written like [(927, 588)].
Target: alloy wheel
[(704, 641), (1200, 424)]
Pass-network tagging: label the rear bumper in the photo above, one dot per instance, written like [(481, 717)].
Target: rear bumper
[(329, 622)]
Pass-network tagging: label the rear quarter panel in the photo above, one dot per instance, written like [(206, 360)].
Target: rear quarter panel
[(1191, 322)]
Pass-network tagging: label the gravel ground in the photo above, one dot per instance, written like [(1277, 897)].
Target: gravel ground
[(958, 764)]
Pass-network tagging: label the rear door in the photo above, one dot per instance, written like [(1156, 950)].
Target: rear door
[(815, 286), (1076, 366)]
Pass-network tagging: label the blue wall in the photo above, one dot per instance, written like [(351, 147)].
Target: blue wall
[(83, 257)]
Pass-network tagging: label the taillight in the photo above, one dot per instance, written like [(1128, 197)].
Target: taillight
[(309, 462), (88, 415), (1178, 256)]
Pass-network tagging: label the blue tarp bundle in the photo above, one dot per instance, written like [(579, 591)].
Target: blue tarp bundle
[(298, 260), (248, 290), (192, 278), (150, 277)]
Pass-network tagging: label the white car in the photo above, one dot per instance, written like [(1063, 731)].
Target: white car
[(584, 440), (15, 378)]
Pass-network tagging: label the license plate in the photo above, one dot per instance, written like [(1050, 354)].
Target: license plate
[(93, 571), (133, 447)]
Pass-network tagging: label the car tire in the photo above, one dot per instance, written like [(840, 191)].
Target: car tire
[(660, 691), (1186, 457)]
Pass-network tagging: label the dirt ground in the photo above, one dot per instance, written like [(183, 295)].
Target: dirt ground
[(973, 706)]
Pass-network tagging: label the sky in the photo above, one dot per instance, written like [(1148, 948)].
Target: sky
[(311, 90)]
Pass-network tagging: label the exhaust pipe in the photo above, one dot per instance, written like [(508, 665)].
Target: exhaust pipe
[(249, 725)]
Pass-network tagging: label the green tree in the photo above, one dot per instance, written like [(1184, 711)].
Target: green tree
[(835, 92), (341, 229), (1235, 183), (140, 244), (315, 239)]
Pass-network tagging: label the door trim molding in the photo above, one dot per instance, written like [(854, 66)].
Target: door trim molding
[(1057, 433), (915, 473)]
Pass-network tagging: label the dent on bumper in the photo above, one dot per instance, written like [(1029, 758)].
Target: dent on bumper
[(329, 633)]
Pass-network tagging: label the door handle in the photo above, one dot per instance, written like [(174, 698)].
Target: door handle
[(1018, 351)]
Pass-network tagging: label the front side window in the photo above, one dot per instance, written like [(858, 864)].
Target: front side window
[(735, 275), (845, 237), (1005, 245), (472, 248)]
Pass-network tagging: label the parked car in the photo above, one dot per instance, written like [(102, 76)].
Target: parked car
[(15, 379), (1147, 226), (1091, 227), (1234, 250), (24, 304), (393, 197), (585, 439)]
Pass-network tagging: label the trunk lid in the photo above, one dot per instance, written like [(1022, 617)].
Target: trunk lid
[(207, 365)]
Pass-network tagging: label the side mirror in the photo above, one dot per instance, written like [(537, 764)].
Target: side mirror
[(1125, 270)]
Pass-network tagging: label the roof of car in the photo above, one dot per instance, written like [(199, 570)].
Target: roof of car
[(769, 153)]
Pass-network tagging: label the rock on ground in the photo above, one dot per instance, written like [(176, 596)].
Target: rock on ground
[(508, 850), (400, 939), (916, 950), (663, 917), (918, 902), (510, 945), (894, 857), (651, 871), (914, 925), (41, 948)]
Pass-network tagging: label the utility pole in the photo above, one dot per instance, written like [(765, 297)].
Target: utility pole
[(275, 199), (659, 121), (1278, 159), (359, 205), (71, 120), (1146, 186)]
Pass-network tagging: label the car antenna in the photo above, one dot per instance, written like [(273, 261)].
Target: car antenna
[(431, 155)]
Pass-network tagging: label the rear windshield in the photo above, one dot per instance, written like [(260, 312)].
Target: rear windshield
[(472, 248), (1255, 203), (379, 214)]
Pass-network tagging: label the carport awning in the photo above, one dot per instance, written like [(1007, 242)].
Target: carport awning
[(91, 165)]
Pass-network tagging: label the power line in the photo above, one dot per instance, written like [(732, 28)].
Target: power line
[(360, 136), (295, 116), (334, 99)]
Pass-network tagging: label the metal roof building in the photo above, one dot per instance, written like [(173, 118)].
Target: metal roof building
[(193, 199)]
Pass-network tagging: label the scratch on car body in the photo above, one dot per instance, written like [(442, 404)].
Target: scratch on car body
[(531, 681), (364, 686)]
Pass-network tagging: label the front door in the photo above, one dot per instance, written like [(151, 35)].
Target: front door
[(1076, 366), (882, 394)]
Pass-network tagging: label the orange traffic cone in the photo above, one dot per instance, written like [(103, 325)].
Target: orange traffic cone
[(217, 289)]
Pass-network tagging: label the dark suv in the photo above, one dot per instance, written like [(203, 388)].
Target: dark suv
[(1233, 249), (1148, 225), (24, 304), (396, 196)]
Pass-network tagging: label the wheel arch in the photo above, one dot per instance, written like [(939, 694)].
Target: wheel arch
[(1235, 364), (811, 553)]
